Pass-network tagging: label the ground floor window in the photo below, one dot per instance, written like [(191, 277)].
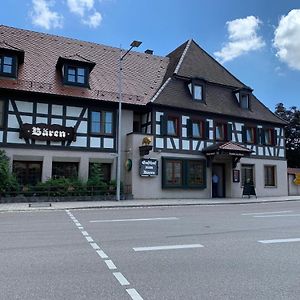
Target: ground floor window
[(270, 174), (65, 169), (247, 174), (183, 173), (27, 172), (100, 169)]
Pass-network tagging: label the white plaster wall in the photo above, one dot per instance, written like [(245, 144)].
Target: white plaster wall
[(281, 188), (47, 156), (151, 187)]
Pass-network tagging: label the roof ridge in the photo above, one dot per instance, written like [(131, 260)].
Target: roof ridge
[(75, 40), (220, 65), (160, 89), (182, 56)]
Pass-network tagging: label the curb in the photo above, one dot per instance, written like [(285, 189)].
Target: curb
[(51, 208)]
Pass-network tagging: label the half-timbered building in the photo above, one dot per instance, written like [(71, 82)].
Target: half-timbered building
[(190, 129)]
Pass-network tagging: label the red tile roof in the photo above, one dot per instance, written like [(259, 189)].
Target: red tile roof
[(142, 73)]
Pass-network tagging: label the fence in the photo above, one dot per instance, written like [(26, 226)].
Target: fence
[(63, 193)]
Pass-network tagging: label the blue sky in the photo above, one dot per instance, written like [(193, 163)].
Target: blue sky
[(258, 40)]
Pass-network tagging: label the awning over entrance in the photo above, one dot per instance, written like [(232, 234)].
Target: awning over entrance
[(231, 149)]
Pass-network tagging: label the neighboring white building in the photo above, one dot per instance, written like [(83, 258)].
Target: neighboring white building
[(59, 105)]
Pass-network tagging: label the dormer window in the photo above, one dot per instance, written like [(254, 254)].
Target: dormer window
[(245, 101), (7, 65), (75, 70), (10, 58), (196, 88), (243, 98), (75, 75)]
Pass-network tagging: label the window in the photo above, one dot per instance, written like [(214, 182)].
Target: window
[(267, 136), (244, 101), (65, 169), (7, 65), (219, 132), (2, 106), (102, 170), (27, 172), (101, 122), (183, 173), (270, 172), (197, 129), (249, 135), (247, 174), (195, 173), (173, 171), (173, 126), (198, 92), (75, 75)]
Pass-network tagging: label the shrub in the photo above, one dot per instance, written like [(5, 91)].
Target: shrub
[(8, 182)]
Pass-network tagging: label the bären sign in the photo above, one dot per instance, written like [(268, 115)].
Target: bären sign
[(44, 132)]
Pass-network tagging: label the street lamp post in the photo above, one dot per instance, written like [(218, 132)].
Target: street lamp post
[(134, 44)]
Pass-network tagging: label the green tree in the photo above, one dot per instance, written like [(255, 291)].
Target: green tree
[(8, 182), (292, 133)]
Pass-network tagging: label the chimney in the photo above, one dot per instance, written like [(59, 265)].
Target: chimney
[(148, 51)]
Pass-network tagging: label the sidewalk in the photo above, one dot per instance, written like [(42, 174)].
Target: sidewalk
[(5, 207)]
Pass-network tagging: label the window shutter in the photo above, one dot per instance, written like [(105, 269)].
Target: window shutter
[(206, 130), (262, 136), (229, 132), (163, 125), (256, 136), (274, 137), (189, 125), (244, 139)]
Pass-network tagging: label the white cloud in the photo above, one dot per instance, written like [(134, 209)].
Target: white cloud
[(43, 16), (287, 39), (243, 38), (80, 6), (93, 20)]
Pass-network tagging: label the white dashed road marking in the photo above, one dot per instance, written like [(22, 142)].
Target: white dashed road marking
[(121, 278), (277, 216), (111, 266), (267, 213), (95, 246), (102, 254), (279, 241), (134, 220), (134, 294), (169, 247)]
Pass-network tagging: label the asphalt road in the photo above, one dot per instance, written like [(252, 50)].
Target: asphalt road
[(195, 252)]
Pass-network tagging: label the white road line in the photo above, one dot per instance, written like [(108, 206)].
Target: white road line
[(280, 241), (102, 254), (170, 247), (77, 224), (268, 212), (84, 233), (89, 239), (80, 227), (95, 246), (120, 277), (110, 264), (277, 216), (134, 220), (134, 294)]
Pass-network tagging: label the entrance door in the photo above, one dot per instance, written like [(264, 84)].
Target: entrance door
[(218, 181)]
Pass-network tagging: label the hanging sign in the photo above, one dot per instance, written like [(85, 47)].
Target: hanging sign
[(148, 167), (44, 132), (297, 179)]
